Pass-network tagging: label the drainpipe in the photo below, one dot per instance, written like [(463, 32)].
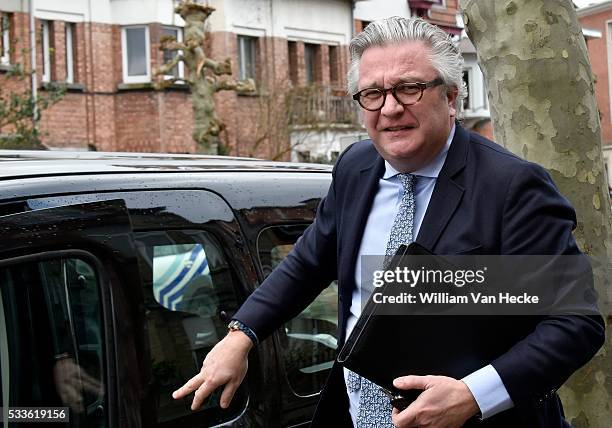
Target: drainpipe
[(33, 62)]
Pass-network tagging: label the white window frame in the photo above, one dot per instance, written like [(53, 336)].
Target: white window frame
[(46, 52), (241, 65), (5, 59), (145, 78), (180, 65), (69, 33)]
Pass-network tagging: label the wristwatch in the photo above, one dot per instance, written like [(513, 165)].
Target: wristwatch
[(236, 325)]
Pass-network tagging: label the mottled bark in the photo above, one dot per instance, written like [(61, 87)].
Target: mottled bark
[(541, 93), (204, 75)]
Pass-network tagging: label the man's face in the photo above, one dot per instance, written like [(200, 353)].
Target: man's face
[(408, 137)]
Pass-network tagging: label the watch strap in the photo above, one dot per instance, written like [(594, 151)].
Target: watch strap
[(236, 325)]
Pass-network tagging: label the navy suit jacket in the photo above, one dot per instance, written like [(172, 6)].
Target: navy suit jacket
[(485, 201)]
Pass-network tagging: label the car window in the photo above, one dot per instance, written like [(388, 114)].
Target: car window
[(189, 291), (309, 341), (51, 318)]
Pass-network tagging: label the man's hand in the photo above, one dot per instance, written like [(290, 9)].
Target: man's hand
[(70, 382), (226, 364), (444, 403)]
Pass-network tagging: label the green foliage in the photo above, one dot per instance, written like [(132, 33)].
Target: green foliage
[(17, 112)]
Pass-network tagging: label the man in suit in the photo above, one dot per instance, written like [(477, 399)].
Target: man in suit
[(421, 175)]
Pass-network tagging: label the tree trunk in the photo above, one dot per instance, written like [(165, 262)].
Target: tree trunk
[(543, 108)]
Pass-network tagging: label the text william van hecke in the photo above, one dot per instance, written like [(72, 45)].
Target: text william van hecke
[(502, 297), (448, 298)]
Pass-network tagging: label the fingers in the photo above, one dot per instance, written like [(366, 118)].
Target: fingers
[(228, 394), (226, 364), (191, 385), (202, 393), (71, 397), (405, 418), (203, 388), (92, 385), (412, 382)]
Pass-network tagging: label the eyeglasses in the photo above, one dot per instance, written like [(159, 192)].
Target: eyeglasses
[(406, 94)]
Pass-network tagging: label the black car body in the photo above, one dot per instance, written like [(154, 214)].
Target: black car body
[(129, 267)]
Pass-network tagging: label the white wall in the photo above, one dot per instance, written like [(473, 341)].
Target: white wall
[(121, 12), (371, 10), (126, 12), (316, 21), (14, 5)]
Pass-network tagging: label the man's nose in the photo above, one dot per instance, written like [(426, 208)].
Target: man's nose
[(392, 107)]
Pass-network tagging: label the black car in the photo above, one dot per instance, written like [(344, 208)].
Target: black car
[(119, 272)]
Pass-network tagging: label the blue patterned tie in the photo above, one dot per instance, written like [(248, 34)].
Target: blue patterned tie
[(374, 406), (401, 231)]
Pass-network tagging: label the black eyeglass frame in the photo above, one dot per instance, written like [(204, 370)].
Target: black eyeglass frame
[(421, 85)]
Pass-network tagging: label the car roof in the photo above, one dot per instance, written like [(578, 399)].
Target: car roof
[(36, 163)]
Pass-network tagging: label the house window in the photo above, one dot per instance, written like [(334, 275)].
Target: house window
[(247, 57), (46, 50), (334, 64), (136, 57), (293, 62), (70, 33), (310, 59), (5, 40), (177, 71)]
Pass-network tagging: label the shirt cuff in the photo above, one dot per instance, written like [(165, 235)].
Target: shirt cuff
[(489, 391)]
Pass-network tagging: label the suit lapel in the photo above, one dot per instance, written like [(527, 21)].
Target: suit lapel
[(365, 190), (447, 194)]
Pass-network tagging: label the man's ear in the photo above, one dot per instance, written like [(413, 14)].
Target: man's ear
[(451, 96)]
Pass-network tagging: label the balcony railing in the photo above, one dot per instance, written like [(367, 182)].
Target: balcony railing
[(321, 106)]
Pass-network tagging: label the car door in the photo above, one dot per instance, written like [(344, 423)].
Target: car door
[(56, 332), (193, 271)]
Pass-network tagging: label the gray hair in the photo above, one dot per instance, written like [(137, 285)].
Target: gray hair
[(445, 55)]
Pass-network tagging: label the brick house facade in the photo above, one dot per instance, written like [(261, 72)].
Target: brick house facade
[(99, 111), (102, 111), (291, 44)]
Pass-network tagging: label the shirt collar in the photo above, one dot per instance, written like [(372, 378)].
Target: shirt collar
[(432, 169)]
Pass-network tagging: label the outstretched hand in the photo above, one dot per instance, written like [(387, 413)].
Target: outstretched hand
[(444, 402), (226, 364)]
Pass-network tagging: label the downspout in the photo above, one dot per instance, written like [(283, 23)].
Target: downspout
[(33, 79), (91, 88)]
